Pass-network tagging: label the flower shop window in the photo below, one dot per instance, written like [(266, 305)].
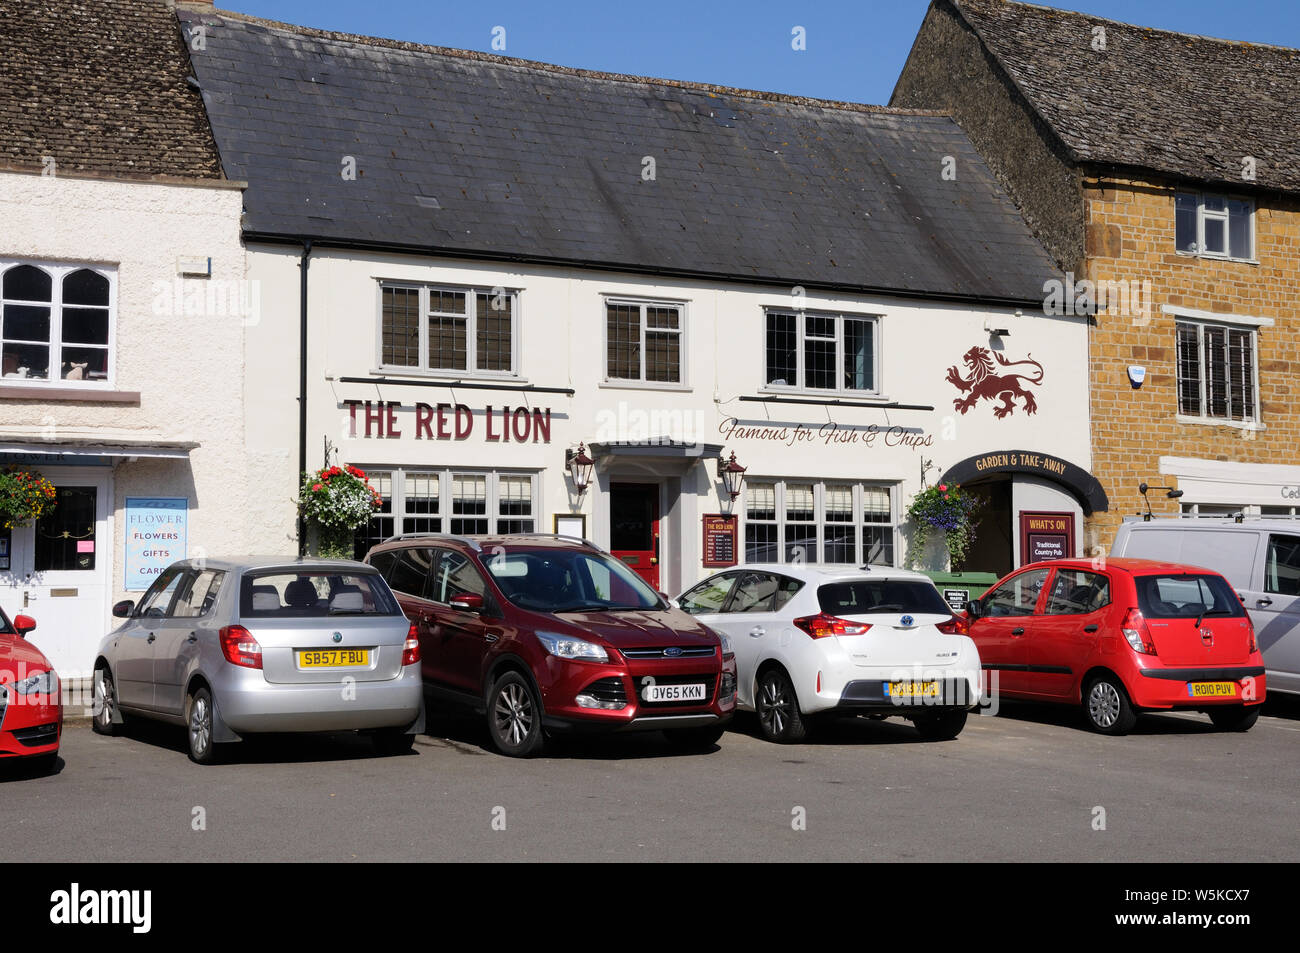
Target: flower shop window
[(56, 322), (831, 522)]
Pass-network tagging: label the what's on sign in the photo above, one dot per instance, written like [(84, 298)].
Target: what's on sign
[(156, 529)]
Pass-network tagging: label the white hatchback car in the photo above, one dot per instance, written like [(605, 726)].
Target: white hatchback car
[(817, 638)]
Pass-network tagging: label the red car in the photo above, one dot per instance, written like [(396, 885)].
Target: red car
[(545, 635), (31, 712), (1121, 636)]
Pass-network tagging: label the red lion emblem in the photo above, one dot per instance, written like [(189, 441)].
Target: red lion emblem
[(983, 383)]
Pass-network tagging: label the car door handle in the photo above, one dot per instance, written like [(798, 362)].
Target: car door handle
[(758, 632), (1019, 631), (194, 637), (1263, 602), (152, 638), (490, 637), (1090, 628)]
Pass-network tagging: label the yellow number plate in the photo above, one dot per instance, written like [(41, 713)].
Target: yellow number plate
[(1212, 689), (333, 658), (913, 689)]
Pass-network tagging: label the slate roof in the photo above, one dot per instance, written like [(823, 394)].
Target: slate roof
[(100, 85), (1188, 105), (477, 155)]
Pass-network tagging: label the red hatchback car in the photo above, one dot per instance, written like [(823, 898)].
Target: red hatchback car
[(545, 634), (31, 712), (1121, 636)]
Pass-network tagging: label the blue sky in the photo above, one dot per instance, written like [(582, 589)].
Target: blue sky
[(854, 50)]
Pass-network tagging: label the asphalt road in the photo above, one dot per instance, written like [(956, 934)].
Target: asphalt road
[(1021, 786)]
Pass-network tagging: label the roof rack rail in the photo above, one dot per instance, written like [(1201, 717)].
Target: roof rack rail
[(468, 541)]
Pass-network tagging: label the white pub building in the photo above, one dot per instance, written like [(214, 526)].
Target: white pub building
[(477, 274)]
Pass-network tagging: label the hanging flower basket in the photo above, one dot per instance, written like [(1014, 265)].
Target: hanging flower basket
[(335, 501), (25, 496), (947, 510)]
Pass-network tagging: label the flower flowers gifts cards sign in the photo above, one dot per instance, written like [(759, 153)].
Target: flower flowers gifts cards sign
[(334, 501)]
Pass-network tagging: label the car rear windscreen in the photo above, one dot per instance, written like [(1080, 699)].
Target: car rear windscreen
[(314, 593), (1186, 596), (881, 595)]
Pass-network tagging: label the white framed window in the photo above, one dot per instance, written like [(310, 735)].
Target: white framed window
[(645, 342), (459, 501), (57, 323), (794, 521), (1214, 226), (1245, 510), (471, 332), (1217, 371), (822, 352)]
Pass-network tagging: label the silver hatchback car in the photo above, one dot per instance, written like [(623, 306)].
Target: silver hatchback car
[(265, 644)]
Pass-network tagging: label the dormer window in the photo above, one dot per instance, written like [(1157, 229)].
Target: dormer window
[(1214, 226)]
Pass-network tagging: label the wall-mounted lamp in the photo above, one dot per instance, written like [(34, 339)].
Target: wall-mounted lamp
[(997, 332), (579, 466), (731, 473), (1171, 494)]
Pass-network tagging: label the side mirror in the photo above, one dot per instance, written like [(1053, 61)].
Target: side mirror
[(122, 610), (974, 609), (24, 624), (467, 602)]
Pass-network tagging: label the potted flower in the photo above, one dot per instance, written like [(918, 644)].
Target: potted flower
[(25, 496), (335, 501), (946, 509)]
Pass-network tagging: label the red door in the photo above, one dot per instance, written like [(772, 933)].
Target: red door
[(634, 527)]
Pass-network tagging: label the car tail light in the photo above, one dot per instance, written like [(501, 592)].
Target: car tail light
[(954, 626), (1252, 646), (821, 626), (1135, 630), (411, 647), (239, 647)]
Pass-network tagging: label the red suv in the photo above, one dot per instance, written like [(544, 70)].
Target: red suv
[(547, 634), (1120, 636)]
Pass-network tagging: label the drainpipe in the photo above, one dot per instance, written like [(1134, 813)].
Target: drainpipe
[(302, 384)]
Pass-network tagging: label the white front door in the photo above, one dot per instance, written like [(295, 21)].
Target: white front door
[(58, 569)]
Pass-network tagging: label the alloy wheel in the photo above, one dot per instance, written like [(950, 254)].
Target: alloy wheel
[(200, 725), (774, 706), (514, 714), (1104, 704), (103, 701)]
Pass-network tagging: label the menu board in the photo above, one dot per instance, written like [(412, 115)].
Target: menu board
[(1046, 536), (720, 534)]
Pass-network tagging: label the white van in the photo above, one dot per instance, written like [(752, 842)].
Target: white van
[(1261, 558)]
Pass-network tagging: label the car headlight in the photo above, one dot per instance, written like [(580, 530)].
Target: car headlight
[(563, 646), (726, 643), (46, 683)]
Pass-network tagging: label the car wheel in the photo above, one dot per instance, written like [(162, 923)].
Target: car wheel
[(694, 739), (105, 704), (198, 724), (777, 705), (1107, 708), (392, 742), (514, 716), (1235, 717), (941, 727)]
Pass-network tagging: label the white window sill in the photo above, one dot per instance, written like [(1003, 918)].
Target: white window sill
[(645, 385), (443, 377), (869, 397), (1209, 257), (1219, 422), (32, 389)]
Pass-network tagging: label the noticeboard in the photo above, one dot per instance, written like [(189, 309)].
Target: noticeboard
[(720, 535)]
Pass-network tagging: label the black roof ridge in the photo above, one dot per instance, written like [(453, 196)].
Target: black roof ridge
[(959, 4), (520, 63)]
